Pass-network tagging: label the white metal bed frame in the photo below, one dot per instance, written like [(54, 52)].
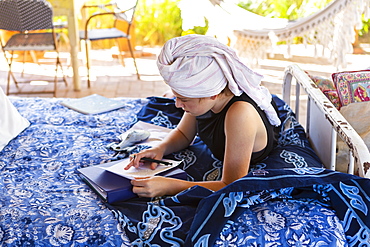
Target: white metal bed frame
[(324, 123)]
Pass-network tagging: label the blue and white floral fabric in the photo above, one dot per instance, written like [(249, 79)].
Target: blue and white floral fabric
[(43, 201), (321, 208), (288, 199), (294, 222)]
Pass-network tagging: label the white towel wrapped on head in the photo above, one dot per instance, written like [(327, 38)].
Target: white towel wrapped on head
[(198, 66)]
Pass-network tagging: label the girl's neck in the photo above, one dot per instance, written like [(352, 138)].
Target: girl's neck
[(222, 100)]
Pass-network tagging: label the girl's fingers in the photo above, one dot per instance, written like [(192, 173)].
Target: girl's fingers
[(132, 162)]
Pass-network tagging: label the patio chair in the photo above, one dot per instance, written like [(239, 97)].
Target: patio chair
[(93, 32), (32, 21)]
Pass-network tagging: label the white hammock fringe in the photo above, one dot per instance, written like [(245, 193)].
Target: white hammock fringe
[(331, 30)]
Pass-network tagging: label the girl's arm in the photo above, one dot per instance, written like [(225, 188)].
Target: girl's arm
[(245, 133), (180, 137)]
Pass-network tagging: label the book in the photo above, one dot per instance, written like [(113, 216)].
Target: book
[(93, 104), (111, 187), (142, 171)]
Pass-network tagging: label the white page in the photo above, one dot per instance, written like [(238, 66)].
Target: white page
[(142, 172)]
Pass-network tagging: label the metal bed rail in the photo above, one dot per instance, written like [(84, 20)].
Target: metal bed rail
[(324, 123)]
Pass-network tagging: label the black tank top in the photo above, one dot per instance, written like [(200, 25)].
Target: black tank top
[(211, 130)]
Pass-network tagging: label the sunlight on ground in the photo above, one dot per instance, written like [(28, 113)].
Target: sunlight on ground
[(108, 70)]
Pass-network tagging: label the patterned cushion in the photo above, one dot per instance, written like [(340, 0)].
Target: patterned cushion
[(334, 98), (352, 86), (327, 86)]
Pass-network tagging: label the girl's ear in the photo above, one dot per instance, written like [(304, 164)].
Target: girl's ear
[(213, 97)]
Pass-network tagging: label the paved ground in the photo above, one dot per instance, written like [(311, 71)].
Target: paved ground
[(114, 80)]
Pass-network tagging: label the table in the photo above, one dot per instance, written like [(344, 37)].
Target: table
[(71, 8)]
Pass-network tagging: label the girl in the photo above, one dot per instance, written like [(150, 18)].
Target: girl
[(224, 104)]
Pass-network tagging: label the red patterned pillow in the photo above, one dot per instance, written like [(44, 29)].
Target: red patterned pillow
[(332, 95), (352, 86)]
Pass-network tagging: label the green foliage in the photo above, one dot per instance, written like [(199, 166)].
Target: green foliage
[(291, 9), (157, 21), (365, 26), (288, 9), (196, 30)]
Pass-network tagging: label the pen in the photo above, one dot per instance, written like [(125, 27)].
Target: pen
[(157, 161)]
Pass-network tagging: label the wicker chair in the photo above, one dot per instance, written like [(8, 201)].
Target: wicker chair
[(25, 17)]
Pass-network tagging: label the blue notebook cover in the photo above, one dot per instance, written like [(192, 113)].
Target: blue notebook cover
[(112, 187)]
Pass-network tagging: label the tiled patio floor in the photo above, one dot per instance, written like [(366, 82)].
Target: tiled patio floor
[(114, 80), (109, 77)]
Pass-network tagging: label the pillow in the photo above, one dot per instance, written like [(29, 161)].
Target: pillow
[(328, 88), (334, 98), (358, 116), (11, 122), (325, 84), (352, 86)]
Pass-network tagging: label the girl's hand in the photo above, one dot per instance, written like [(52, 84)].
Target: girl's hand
[(153, 186), (135, 159)]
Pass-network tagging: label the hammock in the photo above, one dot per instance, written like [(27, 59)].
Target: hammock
[(331, 30)]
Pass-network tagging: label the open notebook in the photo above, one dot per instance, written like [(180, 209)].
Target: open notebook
[(112, 183), (143, 171), (116, 186)]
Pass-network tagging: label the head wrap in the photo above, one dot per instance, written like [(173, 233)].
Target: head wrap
[(198, 66)]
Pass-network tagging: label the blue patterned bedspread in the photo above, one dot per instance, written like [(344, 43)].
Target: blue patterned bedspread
[(286, 200), (43, 202)]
